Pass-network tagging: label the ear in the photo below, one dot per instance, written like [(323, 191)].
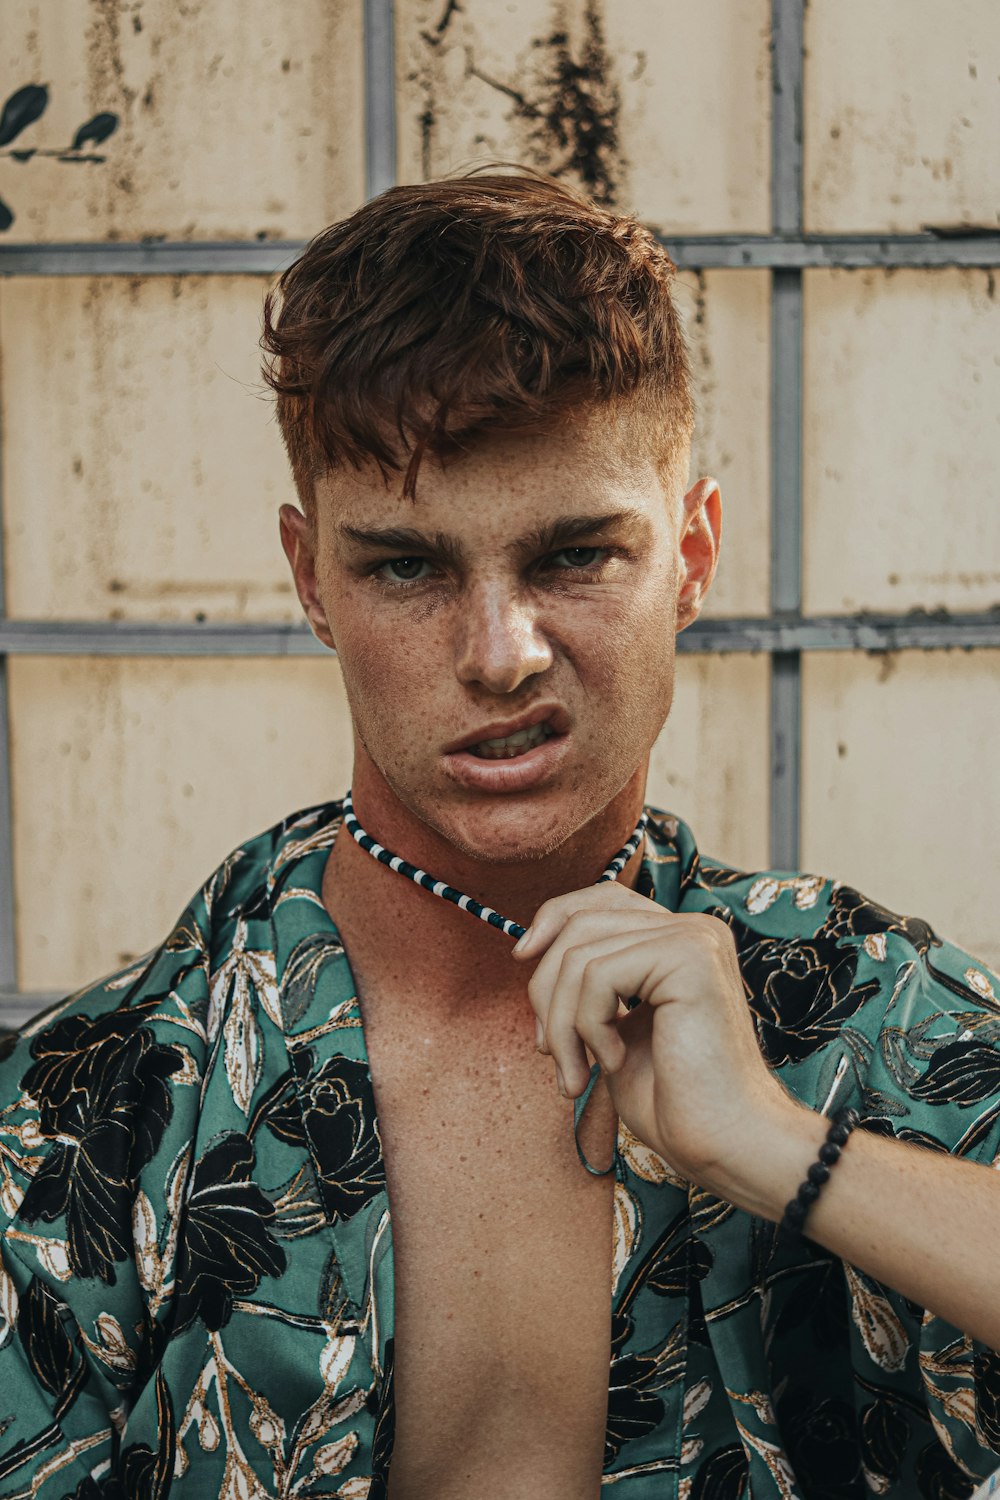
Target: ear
[(700, 535), (299, 542)]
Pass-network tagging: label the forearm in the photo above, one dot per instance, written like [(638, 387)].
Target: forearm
[(923, 1223)]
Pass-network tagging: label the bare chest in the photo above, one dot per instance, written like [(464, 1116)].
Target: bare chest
[(502, 1251)]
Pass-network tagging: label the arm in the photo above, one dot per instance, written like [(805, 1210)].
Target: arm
[(688, 1078), (922, 1222)]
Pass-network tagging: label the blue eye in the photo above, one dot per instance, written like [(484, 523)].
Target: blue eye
[(579, 557)]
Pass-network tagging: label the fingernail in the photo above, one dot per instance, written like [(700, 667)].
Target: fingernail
[(522, 941), (561, 1082), (539, 1035)]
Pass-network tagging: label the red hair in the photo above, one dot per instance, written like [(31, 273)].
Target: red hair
[(483, 303)]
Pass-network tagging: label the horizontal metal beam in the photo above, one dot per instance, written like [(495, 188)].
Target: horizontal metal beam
[(918, 630), (690, 252), (18, 1006), (851, 252), (154, 638)]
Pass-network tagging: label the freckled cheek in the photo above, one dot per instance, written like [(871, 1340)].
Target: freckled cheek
[(627, 650), (393, 680)]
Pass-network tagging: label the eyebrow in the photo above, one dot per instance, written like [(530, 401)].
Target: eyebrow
[(547, 538)]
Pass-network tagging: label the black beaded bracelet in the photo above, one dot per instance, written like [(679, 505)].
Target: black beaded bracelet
[(794, 1218)]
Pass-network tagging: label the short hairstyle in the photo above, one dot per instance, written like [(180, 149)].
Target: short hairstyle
[(490, 302)]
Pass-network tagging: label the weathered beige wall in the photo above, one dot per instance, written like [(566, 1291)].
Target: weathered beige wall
[(902, 114), (132, 781), (239, 119), (901, 796), (727, 320), (711, 763), (901, 440), (655, 105), (141, 468)]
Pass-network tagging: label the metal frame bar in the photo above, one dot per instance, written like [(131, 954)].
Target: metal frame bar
[(773, 252), (775, 635), (380, 96), (787, 53)]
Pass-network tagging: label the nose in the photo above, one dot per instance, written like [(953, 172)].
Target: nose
[(499, 642)]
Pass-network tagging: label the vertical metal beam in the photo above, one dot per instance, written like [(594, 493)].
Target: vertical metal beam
[(787, 24), (8, 954), (380, 96)]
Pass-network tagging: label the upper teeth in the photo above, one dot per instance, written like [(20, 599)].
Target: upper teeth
[(513, 744)]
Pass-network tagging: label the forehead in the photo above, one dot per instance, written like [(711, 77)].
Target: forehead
[(504, 484)]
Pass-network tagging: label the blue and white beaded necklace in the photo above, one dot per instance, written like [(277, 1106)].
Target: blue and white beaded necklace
[(493, 919)]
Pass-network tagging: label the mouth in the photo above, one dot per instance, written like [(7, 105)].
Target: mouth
[(507, 741), (508, 746)]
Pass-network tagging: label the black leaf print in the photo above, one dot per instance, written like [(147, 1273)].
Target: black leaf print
[(885, 1432), (987, 1375), (854, 915), (821, 1439), (634, 1408), (961, 1073), (333, 1110), (22, 109), (95, 131), (385, 1429), (722, 1476), (302, 970), (55, 1359), (227, 1246), (103, 1090), (817, 1302), (802, 991), (939, 1477)]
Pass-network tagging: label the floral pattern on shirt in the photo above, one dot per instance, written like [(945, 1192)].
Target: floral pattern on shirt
[(196, 1294)]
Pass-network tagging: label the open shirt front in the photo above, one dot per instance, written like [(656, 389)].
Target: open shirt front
[(197, 1282)]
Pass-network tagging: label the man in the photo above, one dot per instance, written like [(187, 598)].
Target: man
[(483, 390)]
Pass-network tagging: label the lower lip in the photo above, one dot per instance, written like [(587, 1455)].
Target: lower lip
[(515, 773)]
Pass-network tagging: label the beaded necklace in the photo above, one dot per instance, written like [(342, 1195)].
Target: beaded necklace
[(494, 919)]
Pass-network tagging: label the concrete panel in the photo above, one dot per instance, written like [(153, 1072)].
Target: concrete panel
[(727, 321), (902, 114), (659, 106), (132, 780), (236, 119), (902, 440), (710, 763), (142, 467), (901, 795)]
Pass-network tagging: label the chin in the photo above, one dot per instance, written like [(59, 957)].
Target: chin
[(509, 831)]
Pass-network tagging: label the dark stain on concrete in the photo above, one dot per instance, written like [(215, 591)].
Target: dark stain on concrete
[(433, 38), (576, 116)]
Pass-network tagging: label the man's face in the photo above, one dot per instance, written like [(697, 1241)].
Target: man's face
[(536, 585)]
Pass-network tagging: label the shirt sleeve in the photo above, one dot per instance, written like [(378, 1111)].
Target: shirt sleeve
[(934, 1078), (98, 1106)]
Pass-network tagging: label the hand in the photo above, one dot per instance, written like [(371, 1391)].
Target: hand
[(683, 1068)]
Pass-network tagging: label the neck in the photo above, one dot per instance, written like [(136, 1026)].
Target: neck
[(427, 933)]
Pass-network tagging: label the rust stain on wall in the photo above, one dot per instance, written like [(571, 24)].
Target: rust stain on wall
[(564, 108)]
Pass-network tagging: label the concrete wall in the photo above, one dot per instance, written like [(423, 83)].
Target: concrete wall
[(142, 471)]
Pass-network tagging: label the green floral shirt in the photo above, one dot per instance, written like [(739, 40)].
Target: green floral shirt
[(197, 1282)]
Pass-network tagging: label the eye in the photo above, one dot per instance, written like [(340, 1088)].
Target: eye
[(578, 557), (404, 569)]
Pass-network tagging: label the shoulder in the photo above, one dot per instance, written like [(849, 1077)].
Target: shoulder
[(836, 980), (109, 1080)]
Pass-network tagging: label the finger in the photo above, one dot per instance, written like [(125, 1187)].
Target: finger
[(584, 1006), (552, 916), (581, 928)]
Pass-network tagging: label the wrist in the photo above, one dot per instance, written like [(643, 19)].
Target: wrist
[(770, 1159)]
